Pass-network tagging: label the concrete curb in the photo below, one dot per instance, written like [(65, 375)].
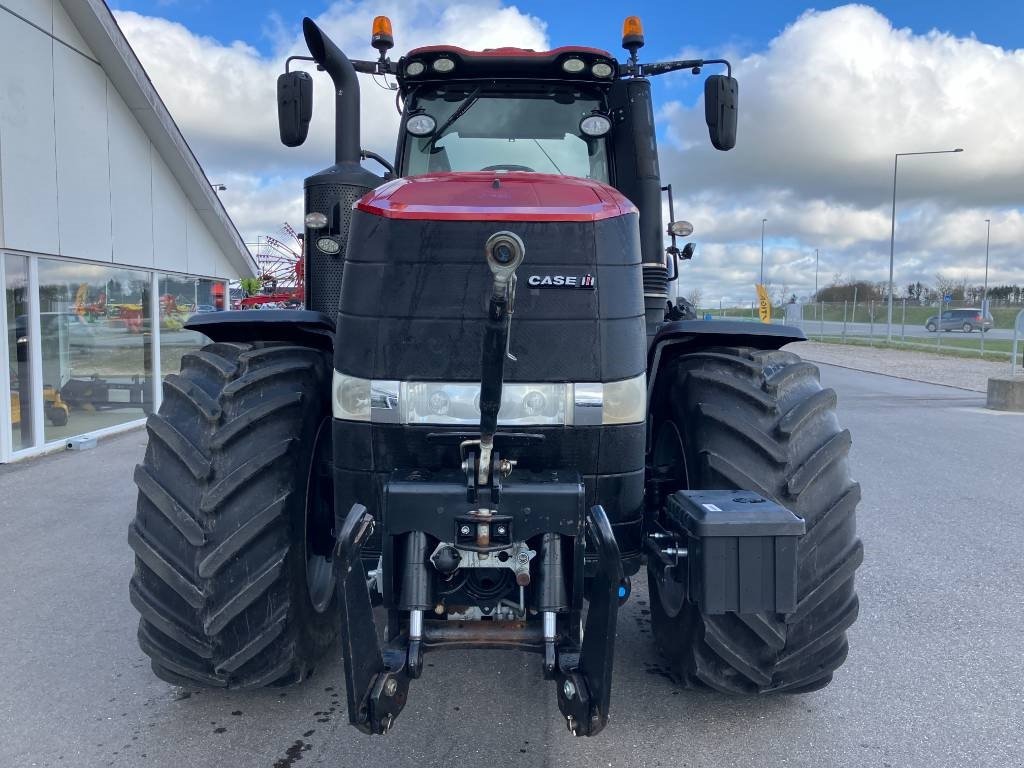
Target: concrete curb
[(1006, 393)]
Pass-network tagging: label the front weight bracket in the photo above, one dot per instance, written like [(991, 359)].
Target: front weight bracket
[(585, 680), (376, 683)]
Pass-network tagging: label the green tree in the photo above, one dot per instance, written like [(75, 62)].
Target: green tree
[(251, 285)]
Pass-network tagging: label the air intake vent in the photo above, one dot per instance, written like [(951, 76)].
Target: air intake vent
[(323, 270)]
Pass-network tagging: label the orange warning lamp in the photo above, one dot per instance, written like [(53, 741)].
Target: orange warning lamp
[(632, 35), (381, 36)]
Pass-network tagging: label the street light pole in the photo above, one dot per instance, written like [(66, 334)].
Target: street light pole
[(984, 292), (892, 233), (815, 274), (762, 250)]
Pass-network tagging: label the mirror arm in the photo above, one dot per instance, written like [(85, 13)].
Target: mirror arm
[(728, 66), (386, 67), (290, 59), (663, 67)]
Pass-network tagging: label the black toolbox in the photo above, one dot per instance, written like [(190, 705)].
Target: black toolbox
[(741, 550)]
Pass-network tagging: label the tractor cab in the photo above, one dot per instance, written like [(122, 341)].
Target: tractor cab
[(506, 110)]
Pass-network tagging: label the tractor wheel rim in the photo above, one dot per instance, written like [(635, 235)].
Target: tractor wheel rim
[(669, 454)]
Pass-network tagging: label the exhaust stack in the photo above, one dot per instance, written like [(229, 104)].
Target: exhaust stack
[(346, 91)]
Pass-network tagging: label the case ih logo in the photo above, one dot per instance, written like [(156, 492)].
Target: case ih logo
[(586, 282)]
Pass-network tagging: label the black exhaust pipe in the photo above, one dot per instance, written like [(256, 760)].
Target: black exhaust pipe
[(346, 91), (333, 190)]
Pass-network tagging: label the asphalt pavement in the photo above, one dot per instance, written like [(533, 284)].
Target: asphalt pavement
[(934, 678)]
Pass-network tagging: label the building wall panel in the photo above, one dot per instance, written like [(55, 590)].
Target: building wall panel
[(64, 29), (170, 218), (204, 255), (39, 12), (83, 168), (27, 141), (131, 185)]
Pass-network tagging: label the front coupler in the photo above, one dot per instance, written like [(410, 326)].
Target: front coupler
[(431, 524), (376, 680)]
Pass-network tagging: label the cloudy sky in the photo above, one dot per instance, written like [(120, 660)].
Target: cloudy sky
[(827, 97)]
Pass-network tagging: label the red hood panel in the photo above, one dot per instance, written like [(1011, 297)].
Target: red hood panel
[(512, 196)]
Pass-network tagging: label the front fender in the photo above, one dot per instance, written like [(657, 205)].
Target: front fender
[(687, 336), (297, 326)]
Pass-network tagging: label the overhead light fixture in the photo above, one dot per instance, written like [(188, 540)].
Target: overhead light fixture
[(595, 125), (420, 125), (315, 220)]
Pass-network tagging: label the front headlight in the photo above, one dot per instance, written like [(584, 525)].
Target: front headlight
[(542, 404), (351, 400), (458, 403), (624, 402)]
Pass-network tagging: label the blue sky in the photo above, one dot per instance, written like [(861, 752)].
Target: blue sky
[(740, 24), (828, 92)]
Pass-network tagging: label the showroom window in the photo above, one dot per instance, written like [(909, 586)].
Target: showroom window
[(16, 294), (93, 366), (180, 297), (96, 345)]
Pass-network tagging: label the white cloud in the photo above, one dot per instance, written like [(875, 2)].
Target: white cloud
[(822, 111), (823, 108), (223, 96)]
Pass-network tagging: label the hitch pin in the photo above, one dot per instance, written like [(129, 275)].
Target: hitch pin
[(511, 311)]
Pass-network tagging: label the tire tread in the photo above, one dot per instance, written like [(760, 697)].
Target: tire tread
[(760, 420), (220, 486)]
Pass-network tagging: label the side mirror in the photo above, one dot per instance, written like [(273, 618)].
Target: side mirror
[(721, 101), (294, 106), (687, 252)]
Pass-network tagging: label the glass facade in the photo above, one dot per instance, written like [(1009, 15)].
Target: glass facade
[(95, 355), (179, 298), (96, 342), (16, 294)]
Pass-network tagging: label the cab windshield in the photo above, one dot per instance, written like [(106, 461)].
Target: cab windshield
[(518, 130)]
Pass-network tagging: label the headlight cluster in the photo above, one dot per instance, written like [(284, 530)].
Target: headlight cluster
[(442, 65), (406, 402), (574, 66), (430, 403)]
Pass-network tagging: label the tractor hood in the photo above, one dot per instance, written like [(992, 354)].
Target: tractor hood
[(415, 282), (495, 196)]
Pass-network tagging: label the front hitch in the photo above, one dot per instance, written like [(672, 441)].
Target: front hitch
[(377, 678), (585, 679), (376, 682)]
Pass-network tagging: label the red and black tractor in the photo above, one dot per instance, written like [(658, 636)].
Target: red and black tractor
[(489, 417)]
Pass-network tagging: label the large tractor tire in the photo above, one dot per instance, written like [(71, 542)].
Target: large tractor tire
[(232, 532), (757, 420)]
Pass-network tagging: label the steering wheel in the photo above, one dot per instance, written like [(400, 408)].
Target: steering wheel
[(508, 167)]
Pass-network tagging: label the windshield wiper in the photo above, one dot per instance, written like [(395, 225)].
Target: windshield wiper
[(550, 160), (463, 107)]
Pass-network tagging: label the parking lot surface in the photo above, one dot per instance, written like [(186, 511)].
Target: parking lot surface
[(935, 674)]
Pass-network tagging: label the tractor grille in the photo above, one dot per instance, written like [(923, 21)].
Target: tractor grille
[(324, 270), (655, 280)]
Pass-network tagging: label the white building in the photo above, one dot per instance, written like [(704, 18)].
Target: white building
[(110, 233)]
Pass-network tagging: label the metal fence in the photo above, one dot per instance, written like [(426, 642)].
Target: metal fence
[(914, 326)]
